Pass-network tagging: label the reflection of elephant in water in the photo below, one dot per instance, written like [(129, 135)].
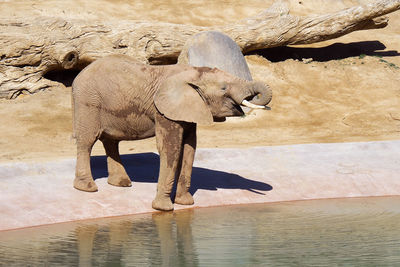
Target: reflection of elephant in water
[(162, 239), (174, 231), (117, 98)]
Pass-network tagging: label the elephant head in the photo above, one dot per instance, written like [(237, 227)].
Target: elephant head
[(203, 95)]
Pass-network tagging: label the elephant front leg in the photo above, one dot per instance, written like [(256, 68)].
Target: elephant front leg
[(169, 136), (183, 195)]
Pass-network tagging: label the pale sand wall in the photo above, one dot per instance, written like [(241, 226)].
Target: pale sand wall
[(41, 193)]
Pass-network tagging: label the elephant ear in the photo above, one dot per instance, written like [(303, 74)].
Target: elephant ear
[(178, 100)]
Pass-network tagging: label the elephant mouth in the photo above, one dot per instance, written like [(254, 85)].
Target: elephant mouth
[(238, 111), (232, 110), (219, 119)]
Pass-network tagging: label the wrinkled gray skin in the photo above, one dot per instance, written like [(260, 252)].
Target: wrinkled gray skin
[(116, 98)]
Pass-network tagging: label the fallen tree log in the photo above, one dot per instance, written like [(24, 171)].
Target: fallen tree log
[(32, 47)]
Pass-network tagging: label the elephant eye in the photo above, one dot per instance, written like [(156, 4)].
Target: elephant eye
[(223, 88)]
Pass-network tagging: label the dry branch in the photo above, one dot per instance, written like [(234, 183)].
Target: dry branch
[(31, 47)]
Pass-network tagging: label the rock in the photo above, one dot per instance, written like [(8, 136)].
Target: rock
[(215, 49)]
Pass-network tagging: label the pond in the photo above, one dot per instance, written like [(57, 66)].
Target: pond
[(335, 232)]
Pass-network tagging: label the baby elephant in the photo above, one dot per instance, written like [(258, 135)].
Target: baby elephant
[(117, 98)]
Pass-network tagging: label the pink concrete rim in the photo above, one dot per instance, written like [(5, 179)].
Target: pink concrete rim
[(35, 194)]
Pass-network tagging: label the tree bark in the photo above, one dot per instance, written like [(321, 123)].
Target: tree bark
[(32, 47)]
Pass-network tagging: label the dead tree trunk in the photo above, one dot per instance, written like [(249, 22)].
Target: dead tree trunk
[(32, 47)]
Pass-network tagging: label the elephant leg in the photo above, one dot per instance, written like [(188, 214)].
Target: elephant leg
[(87, 132), (164, 223), (116, 172), (169, 136), (85, 235), (83, 174), (183, 195)]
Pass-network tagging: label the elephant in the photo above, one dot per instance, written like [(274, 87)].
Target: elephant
[(117, 98)]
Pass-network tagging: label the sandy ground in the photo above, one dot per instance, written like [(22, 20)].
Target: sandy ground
[(349, 91)]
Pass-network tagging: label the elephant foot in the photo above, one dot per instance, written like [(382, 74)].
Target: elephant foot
[(184, 199), (162, 203), (122, 181), (87, 185)]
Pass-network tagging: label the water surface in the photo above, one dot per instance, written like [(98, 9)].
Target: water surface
[(339, 232)]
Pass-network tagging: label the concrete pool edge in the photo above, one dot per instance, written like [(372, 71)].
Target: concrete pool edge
[(34, 194)]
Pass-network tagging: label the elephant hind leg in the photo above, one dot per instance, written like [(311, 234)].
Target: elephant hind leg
[(83, 176), (86, 130), (116, 172)]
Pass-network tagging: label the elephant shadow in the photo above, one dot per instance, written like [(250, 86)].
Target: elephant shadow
[(144, 168)]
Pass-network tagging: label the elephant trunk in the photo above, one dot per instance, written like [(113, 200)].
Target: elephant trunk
[(256, 95), (263, 94)]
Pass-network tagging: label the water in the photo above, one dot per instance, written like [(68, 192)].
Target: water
[(345, 232)]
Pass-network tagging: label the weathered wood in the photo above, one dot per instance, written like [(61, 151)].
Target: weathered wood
[(31, 47)]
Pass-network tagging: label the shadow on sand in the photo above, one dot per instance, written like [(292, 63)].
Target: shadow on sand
[(335, 51), (144, 168)]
